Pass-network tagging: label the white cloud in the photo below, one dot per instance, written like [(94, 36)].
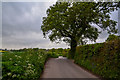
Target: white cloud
[(21, 26), (29, 0)]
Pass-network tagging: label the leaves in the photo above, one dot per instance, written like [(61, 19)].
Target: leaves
[(67, 20), (112, 37), (101, 58)]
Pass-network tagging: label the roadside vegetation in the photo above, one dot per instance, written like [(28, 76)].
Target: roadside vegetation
[(26, 64), (101, 58), (23, 65)]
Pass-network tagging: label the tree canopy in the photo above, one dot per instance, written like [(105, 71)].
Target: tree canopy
[(112, 37), (76, 22)]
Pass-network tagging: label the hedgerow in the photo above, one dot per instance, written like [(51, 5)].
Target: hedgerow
[(101, 58)]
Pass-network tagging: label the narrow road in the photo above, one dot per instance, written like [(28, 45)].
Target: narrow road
[(64, 68)]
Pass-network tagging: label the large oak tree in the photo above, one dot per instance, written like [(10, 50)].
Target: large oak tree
[(77, 22)]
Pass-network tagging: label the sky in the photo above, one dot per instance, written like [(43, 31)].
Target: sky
[(21, 22)]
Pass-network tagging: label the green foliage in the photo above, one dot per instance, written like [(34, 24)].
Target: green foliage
[(52, 55), (27, 64), (65, 52), (101, 58), (59, 50), (23, 65), (72, 22), (112, 37)]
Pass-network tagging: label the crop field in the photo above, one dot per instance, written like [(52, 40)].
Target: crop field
[(23, 65)]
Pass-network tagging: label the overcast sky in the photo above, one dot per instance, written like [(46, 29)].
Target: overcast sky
[(21, 22)]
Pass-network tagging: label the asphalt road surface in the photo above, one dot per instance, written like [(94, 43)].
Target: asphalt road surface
[(64, 68)]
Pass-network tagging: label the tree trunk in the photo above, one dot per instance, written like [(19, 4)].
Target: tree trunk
[(73, 46)]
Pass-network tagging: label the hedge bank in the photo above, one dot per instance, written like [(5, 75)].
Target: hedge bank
[(100, 58)]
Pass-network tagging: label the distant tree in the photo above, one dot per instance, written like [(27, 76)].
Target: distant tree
[(35, 49), (73, 22), (112, 37), (60, 50), (5, 49), (53, 50)]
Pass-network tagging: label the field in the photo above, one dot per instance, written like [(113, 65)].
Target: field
[(26, 64), (22, 65)]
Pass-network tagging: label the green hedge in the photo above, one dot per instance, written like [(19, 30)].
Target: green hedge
[(65, 52), (52, 55), (101, 58)]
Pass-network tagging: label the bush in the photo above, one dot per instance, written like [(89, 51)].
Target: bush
[(52, 55), (101, 58)]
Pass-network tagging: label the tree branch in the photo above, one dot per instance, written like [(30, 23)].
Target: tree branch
[(64, 35)]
